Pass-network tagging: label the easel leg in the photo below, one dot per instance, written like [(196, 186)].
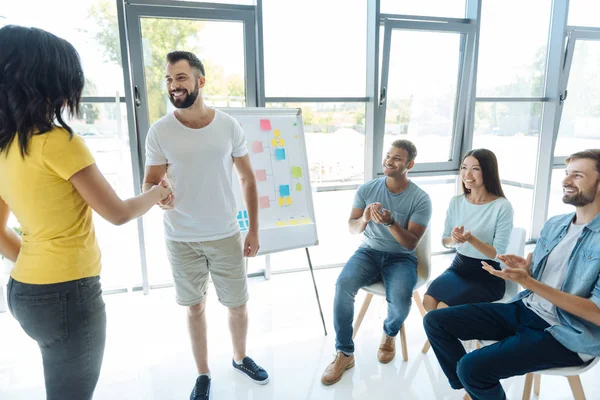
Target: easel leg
[(316, 291)]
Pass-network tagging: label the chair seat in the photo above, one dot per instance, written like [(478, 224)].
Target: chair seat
[(379, 290)]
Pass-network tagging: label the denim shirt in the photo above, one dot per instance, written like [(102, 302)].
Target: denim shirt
[(582, 279)]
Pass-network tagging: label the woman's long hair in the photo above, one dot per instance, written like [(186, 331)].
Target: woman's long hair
[(40, 76), (489, 170)]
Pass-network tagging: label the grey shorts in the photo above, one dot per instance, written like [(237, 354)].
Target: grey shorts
[(191, 263)]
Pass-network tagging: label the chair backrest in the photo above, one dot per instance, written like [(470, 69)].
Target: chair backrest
[(424, 257), (516, 246)]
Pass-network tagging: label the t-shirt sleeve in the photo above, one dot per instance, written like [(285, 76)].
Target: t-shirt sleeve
[(359, 198), (422, 212), (65, 155), (504, 225), (449, 223), (154, 152), (240, 148)]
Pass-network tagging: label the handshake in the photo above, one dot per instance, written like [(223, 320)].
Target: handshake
[(166, 195)]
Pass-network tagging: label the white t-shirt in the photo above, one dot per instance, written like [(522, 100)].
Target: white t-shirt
[(199, 167)]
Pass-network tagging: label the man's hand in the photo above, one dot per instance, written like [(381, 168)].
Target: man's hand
[(251, 245), (518, 268), (368, 213), (381, 215), (169, 202)]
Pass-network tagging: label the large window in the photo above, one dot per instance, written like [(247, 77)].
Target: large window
[(584, 13), (511, 130), (511, 63), (434, 8), (315, 48), (580, 121)]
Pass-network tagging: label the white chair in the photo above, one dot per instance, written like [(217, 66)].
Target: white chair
[(571, 373), (423, 271), (516, 246)]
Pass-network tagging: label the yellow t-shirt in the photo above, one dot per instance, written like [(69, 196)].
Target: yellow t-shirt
[(59, 242)]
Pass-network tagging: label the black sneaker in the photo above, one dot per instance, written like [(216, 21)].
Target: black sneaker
[(201, 389), (253, 371)]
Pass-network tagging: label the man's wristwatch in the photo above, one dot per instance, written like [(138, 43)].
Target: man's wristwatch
[(391, 222)]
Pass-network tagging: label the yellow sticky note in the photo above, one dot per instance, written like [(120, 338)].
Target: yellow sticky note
[(288, 201), (280, 201), (294, 222), (280, 223), (281, 142), (296, 136), (274, 142), (277, 133), (305, 221)]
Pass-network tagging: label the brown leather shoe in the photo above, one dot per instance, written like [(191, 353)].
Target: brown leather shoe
[(387, 349), (333, 372)]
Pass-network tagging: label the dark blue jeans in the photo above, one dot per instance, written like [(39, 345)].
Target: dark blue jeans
[(68, 321), (365, 267), (523, 346)]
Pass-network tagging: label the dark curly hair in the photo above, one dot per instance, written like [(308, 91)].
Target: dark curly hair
[(40, 76)]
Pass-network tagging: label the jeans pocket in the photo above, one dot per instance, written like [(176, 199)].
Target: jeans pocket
[(43, 317)]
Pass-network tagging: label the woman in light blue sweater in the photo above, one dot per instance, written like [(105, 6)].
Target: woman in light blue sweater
[(478, 225)]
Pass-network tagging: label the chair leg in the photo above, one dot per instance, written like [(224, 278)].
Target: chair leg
[(361, 314), (419, 303), (403, 343), (537, 382), (576, 387), (527, 388), (426, 347)]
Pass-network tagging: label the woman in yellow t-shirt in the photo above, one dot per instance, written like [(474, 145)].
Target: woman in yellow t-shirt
[(50, 182)]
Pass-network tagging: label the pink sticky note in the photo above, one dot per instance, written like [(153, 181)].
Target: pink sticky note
[(264, 202), (265, 124), (257, 147), (261, 175)]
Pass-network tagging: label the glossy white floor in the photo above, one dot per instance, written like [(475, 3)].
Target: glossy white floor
[(148, 358)]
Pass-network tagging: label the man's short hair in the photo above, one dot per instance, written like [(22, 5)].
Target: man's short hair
[(407, 145), (590, 154), (191, 58)]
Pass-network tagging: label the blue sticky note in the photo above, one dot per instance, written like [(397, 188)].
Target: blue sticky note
[(279, 154), (284, 190), (245, 214), (241, 223), (239, 216)]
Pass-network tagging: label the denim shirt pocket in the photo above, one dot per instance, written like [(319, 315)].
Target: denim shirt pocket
[(541, 250), (587, 267)]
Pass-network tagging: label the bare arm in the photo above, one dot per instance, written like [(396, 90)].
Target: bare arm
[(583, 308), (10, 243), (97, 192), (359, 218), (248, 184), (486, 249), (410, 237)]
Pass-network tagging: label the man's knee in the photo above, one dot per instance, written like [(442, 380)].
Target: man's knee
[(470, 369), (197, 309), (431, 320), (238, 311)]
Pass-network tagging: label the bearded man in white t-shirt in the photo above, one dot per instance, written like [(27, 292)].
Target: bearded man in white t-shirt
[(197, 146)]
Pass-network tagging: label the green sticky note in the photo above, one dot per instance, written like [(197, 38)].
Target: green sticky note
[(298, 187), (296, 172)]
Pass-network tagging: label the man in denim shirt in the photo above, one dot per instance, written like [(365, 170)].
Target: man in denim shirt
[(555, 322)]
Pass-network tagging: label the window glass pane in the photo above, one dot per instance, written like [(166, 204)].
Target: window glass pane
[(511, 131), (512, 63), (422, 93), (315, 48), (584, 13), (335, 141), (89, 25), (580, 120), (103, 126), (433, 8), (440, 189), (555, 203)]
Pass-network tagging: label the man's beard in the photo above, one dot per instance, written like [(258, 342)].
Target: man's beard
[(190, 98), (582, 198)]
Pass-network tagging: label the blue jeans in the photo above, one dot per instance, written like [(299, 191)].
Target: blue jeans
[(523, 346), (399, 275), (68, 321)]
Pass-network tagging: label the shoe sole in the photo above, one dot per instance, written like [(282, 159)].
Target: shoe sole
[(253, 380), (350, 366), (386, 362)]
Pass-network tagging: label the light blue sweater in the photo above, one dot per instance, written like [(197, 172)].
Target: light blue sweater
[(491, 223)]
